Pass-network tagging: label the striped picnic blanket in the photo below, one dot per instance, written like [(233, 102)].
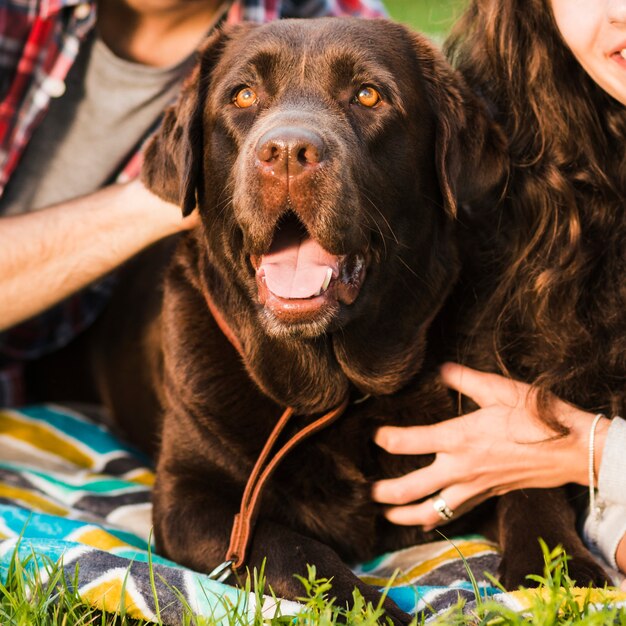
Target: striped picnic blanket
[(72, 493)]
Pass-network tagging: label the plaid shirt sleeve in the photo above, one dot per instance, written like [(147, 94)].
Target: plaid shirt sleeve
[(268, 10), (318, 8), (39, 41)]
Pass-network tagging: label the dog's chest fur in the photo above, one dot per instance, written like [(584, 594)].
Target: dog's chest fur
[(322, 488)]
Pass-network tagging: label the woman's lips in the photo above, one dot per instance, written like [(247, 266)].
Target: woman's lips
[(620, 57)]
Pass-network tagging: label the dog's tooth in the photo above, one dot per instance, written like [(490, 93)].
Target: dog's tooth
[(324, 287), (329, 277), (623, 53)]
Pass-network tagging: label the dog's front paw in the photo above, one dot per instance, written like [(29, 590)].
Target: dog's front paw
[(397, 615), (513, 571), (584, 570), (344, 584), (581, 568)]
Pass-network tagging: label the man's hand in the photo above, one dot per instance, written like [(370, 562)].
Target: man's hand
[(47, 255)]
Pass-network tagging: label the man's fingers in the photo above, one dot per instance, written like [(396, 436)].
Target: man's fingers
[(416, 439), (485, 389), (411, 487)]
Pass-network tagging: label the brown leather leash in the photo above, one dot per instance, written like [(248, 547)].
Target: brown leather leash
[(246, 518), (244, 521)]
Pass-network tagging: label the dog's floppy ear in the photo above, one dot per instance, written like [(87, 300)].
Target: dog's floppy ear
[(173, 159), (471, 151)]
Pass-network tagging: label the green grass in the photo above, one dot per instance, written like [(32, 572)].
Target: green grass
[(26, 602), (433, 17)]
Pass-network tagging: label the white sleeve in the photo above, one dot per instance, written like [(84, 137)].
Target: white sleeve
[(612, 478), (605, 532)]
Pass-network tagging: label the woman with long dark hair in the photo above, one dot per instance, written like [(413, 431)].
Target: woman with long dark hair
[(550, 271)]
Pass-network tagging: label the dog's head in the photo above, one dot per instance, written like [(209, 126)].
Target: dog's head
[(327, 158)]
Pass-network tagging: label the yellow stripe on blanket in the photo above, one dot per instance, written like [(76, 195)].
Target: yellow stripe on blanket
[(527, 598), (141, 477), (32, 499), (98, 538), (471, 548), (44, 438), (116, 591)]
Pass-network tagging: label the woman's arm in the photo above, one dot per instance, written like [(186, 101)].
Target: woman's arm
[(50, 254)]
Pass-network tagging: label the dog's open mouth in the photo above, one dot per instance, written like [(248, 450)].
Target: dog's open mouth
[(297, 278)]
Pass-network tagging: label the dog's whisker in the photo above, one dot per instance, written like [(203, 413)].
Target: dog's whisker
[(226, 204), (423, 279), (393, 234), (376, 229), (382, 215), (227, 189), (410, 289), (223, 205)]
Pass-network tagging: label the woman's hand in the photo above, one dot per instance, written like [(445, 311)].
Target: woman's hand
[(498, 448)]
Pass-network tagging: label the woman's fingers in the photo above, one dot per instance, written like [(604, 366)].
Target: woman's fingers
[(485, 389), (412, 486), (477, 455), (418, 439), (458, 499)]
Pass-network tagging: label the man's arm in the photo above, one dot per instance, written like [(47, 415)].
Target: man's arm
[(50, 254)]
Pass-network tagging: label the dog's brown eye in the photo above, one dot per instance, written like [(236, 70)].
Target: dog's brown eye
[(245, 98), (368, 96)]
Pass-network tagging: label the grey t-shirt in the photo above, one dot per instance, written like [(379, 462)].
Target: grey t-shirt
[(108, 106)]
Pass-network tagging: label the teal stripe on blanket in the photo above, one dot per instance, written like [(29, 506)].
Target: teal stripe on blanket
[(84, 482), (19, 522), (90, 435)]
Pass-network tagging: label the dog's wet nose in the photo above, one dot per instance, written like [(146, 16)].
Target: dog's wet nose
[(290, 151)]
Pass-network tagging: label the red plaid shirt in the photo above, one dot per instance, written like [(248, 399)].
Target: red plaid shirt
[(39, 41)]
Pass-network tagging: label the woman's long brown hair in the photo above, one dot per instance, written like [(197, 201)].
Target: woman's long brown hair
[(556, 244)]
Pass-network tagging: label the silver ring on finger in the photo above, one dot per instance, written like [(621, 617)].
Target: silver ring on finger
[(443, 510)]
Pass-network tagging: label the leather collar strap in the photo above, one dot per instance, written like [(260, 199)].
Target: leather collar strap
[(221, 322), (243, 524), (246, 518)]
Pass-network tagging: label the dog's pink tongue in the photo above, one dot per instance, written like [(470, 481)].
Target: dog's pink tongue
[(296, 267)]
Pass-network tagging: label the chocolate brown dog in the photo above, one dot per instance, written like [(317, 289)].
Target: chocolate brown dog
[(326, 159)]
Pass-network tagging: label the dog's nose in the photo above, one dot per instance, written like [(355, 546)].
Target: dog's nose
[(290, 151)]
